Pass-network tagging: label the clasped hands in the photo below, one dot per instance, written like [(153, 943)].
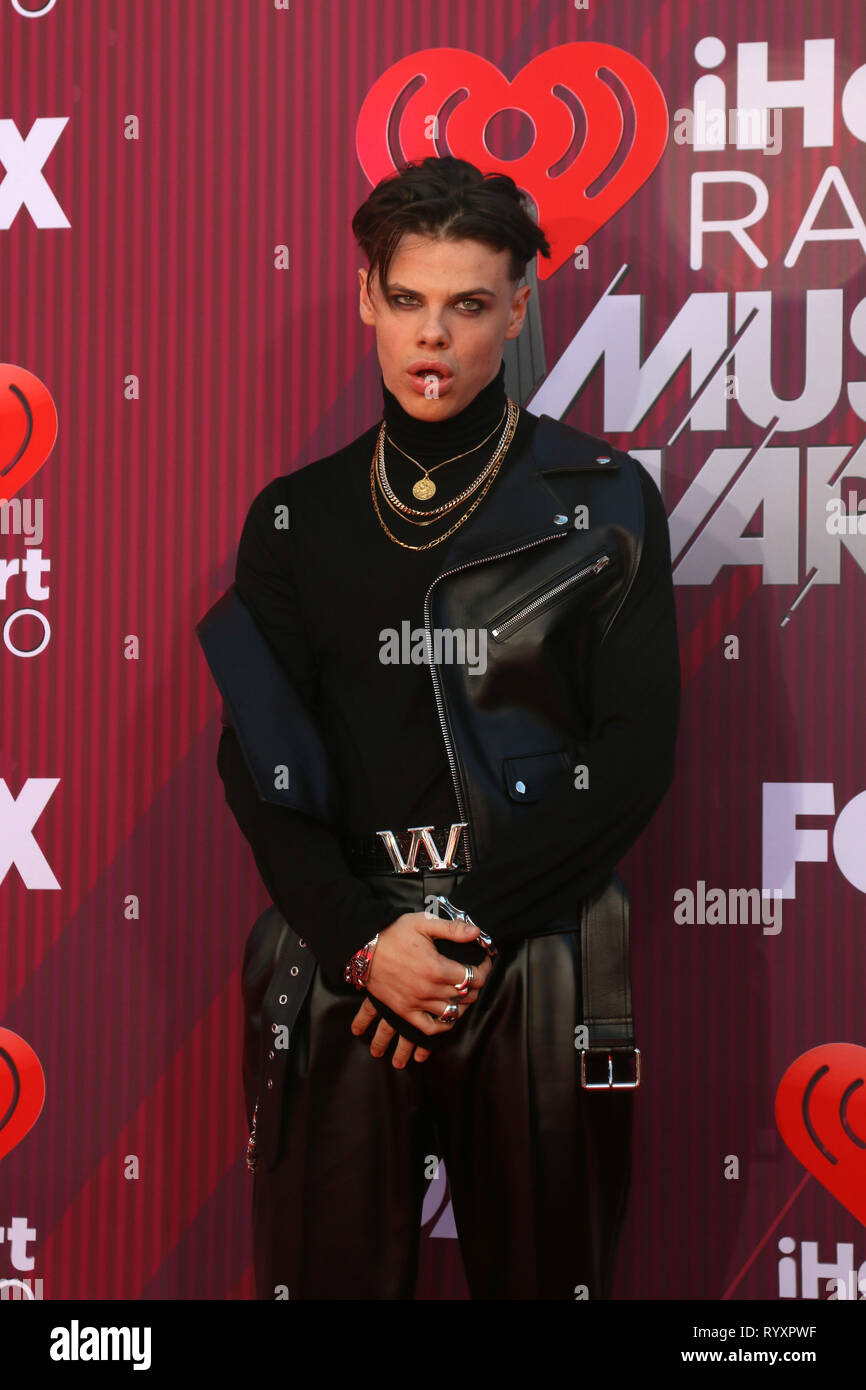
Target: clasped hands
[(415, 980)]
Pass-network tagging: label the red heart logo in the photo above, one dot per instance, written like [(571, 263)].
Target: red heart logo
[(22, 1089), (821, 1115), (28, 427), (566, 212)]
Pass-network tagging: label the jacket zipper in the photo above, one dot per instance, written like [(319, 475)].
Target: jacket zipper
[(449, 747), (595, 567)]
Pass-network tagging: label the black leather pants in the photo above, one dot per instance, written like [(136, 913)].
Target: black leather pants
[(538, 1168)]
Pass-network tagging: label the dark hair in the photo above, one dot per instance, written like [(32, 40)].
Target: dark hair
[(449, 198)]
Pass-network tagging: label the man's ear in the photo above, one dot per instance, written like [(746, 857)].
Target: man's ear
[(364, 307), (518, 310)]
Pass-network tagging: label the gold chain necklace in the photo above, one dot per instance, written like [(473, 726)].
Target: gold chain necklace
[(513, 418), (425, 487), (421, 521), (423, 517), (420, 517)]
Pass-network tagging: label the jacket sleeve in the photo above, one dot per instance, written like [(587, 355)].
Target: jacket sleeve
[(575, 837), (300, 858)]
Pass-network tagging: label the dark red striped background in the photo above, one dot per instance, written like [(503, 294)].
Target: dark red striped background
[(188, 367)]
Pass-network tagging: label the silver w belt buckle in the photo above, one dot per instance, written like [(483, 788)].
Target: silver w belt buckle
[(421, 835), (609, 1084)]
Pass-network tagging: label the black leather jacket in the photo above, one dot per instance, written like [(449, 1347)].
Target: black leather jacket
[(546, 568)]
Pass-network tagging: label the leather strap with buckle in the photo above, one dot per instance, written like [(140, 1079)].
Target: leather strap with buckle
[(611, 1062)]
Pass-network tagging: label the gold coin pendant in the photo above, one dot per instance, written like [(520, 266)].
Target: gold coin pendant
[(424, 488)]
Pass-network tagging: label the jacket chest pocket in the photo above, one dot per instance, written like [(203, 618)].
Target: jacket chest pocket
[(511, 619), (530, 777)]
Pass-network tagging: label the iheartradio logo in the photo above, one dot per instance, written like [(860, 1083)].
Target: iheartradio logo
[(821, 1115), (28, 427), (623, 105), (22, 1090)]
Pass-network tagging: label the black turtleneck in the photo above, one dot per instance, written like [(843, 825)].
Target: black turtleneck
[(432, 441)]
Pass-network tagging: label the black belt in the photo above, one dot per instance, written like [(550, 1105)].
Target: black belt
[(367, 854)]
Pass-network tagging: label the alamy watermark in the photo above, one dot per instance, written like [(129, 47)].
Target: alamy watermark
[(704, 906), (22, 517), (713, 128), (461, 646)]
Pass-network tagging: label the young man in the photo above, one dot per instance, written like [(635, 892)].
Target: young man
[(454, 685)]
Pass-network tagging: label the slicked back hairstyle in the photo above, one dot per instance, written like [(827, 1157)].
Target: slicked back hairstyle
[(449, 198)]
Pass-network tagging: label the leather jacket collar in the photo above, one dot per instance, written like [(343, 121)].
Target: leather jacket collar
[(521, 507)]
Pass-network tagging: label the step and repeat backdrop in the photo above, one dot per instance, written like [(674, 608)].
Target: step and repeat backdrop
[(180, 325)]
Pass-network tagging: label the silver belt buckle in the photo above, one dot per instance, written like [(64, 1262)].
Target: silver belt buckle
[(422, 835), (610, 1084)]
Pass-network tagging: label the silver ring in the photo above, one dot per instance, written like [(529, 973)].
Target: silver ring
[(449, 1014), (457, 914), (466, 983)]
